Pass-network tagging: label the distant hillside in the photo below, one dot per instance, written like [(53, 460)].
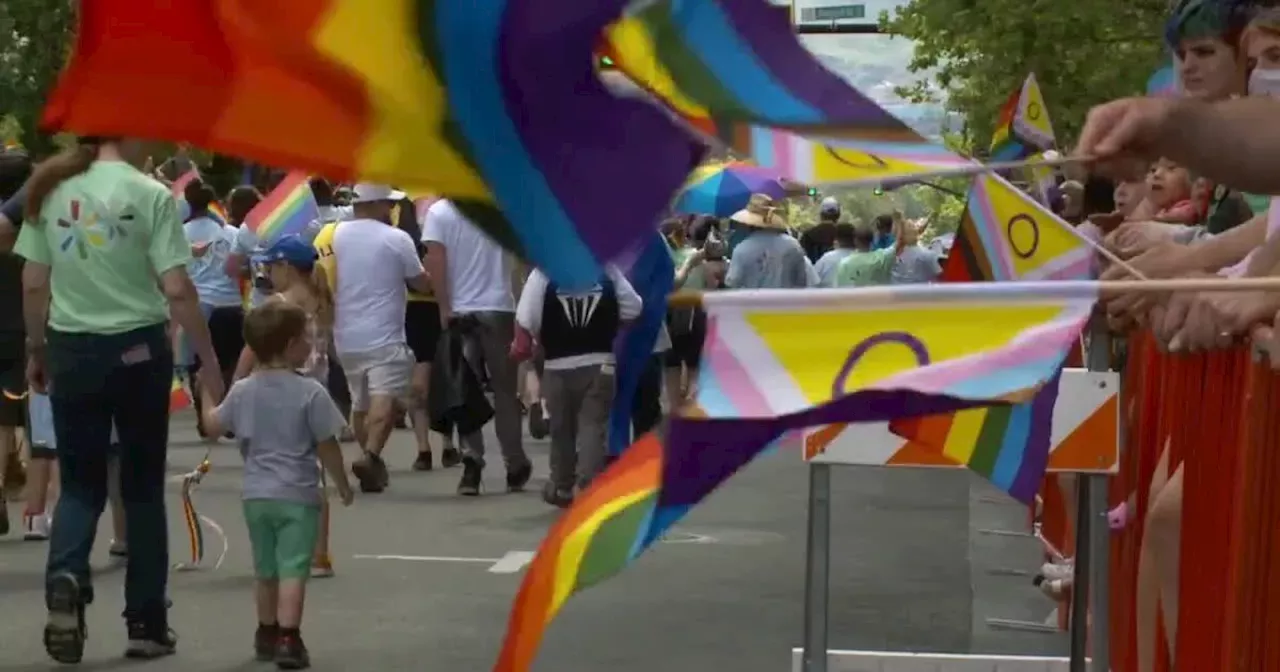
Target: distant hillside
[(875, 64)]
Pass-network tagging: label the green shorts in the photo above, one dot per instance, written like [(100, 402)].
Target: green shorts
[(283, 535)]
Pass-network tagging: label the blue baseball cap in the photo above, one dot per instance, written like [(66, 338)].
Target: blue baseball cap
[(291, 249)]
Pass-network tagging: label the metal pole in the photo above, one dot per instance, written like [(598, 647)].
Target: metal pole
[(1099, 532), (817, 572), (1083, 570)]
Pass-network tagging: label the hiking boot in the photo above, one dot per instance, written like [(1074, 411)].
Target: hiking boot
[(472, 473), (423, 462), (538, 425), (367, 472), (518, 476), (265, 641), (450, 457), (560, 497), (291, 653), (64, 632), (150, 639)]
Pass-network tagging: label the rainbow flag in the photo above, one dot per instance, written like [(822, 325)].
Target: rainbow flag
[(287, 210), (1023, 127), (491, 103), (1007, 445), (734, 69), (918, 350), (1163, 82)]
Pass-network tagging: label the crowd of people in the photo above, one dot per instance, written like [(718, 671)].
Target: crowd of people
[(382, 308)]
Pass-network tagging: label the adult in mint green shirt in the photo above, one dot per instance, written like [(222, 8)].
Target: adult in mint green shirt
[(866, 266), (105, 268)]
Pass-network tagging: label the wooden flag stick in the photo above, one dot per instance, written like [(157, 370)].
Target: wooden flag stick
[(693, 299), (956, 171)]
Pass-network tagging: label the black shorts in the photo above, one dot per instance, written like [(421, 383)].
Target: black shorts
[(688, 329), (226, 330), (13, 389), (422, 329)]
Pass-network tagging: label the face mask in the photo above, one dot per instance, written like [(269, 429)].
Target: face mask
[(1264, 83)]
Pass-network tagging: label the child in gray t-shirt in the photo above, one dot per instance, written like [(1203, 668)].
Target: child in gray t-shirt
[(284, 422)]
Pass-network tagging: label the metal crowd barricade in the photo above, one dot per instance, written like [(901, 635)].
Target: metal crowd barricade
[(1085, 443)]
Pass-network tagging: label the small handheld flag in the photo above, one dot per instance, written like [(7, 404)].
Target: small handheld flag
[(287, 210)]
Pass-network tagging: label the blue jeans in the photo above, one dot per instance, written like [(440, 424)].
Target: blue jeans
[(95, 380)]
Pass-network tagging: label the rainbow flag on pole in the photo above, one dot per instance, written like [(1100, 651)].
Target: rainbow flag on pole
[(287, 210)]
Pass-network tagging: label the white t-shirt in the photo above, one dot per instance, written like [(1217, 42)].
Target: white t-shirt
[(373, 261), (478, 279)]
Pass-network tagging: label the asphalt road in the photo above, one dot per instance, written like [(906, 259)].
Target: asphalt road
[(910, 572)]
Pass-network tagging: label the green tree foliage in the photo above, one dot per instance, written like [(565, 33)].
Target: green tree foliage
[(939, 202), (34, 38), (979, 51)]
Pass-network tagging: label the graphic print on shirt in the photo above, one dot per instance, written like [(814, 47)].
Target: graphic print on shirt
[(580, 308), (92, 224)]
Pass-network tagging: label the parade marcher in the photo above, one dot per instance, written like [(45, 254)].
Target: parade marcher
[(14, 169), (422, 330), (97, 344), (471, 281), (768, 257), (914, 264), (576, 331), (826, 266), (376, 263), (292, 268), (820, 238), (221, 302), (700, 266), (287, 426), (868, 266)]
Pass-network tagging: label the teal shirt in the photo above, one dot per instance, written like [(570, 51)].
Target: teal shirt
[(863, 269), (107, 235)]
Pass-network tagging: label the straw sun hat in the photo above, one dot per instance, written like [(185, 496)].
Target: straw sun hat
[(761, 212)]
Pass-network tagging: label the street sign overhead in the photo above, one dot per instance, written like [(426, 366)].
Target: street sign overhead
[(862, 15)]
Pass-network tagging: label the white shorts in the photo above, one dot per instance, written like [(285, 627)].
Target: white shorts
[(383, 372)]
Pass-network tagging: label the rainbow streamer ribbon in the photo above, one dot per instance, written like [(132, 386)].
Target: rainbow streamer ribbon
[(918, 350), (195, 531), (287, 210)]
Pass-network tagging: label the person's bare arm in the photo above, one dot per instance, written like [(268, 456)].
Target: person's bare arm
[(330, 454), (246, 364), (184, 308), (436, 264), (8, 235), (35, 303), (1233, 142)]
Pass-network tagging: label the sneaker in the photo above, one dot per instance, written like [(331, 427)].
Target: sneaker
[(538, 425), (347, 435), (35, 526), (150, 639), (265, 641), (64, 633), (291, 653), (472, 472), (365, 469), (423, 461), (450, 457), (4, 515), (561, 497), (118, 550), (518, 476), (321, 567)]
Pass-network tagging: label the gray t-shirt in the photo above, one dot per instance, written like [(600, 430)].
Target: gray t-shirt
[(915, 265), (768, 260), (279, 417)]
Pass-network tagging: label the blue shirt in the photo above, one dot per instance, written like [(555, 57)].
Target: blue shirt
[(884, 241), (768, 259), (208, 268)]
